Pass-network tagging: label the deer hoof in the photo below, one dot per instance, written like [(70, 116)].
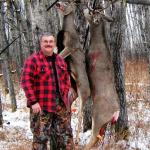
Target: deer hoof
[(100, 138)]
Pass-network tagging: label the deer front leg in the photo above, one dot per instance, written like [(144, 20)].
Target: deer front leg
[(65, 52), (82, 82), (84, 93)]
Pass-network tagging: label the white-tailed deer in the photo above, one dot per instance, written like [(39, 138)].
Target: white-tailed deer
[(74, 49), (101, 76)]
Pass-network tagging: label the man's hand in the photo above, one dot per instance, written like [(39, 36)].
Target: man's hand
[(36, 108)]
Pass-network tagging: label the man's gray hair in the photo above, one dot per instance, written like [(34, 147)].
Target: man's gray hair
[(45, 34)]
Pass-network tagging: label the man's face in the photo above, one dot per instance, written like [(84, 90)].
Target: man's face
[(47, 44)]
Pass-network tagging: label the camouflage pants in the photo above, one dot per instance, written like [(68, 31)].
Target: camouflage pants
[(53, 127)]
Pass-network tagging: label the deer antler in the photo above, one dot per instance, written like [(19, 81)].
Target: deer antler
[(101, 8), (89, 7)]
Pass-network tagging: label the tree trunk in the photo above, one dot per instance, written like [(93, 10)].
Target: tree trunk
[(116, 45), (140, 2), (5, 63), (31, 47), (1, 115), (43, 20), (10, 83)]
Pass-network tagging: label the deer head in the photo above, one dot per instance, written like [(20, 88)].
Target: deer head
[(65, 8), (96, 15)]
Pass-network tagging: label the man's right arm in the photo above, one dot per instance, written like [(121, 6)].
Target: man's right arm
[(27, 81)]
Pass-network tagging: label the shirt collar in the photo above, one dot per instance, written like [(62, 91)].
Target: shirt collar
[(44, 56)]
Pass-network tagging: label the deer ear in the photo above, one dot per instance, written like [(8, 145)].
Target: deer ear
[(87, 14), (107, 18)]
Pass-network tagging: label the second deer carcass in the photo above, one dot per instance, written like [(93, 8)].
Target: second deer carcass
[(101, 76)]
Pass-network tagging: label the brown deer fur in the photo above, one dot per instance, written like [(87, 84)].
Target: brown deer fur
[(73, 48), (101, 76)]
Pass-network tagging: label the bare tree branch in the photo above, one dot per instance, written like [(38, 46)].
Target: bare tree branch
[(9, 45)]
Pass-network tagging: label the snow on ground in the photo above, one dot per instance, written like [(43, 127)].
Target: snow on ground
[(15, 131), (139, 123), (16, 134)]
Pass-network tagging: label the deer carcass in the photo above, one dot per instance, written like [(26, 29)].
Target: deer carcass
[(74, 49), (101, 76)]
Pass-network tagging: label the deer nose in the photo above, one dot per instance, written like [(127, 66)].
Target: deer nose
[(58, 4)]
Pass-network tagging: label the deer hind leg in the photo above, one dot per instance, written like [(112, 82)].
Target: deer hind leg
[(96, 124), (102, 114), (98, 135)]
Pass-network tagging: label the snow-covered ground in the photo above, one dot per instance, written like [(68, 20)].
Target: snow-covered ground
[(15, 131), (16, 134), (139, 122)]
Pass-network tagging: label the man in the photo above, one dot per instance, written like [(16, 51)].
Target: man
[(46, 84)]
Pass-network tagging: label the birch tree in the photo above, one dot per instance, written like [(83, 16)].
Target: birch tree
[(5, 63)]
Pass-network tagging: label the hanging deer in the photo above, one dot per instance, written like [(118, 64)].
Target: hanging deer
[(74, 49), (101, 76)]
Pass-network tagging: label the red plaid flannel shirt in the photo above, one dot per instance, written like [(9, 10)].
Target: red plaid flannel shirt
[(38, 81)]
